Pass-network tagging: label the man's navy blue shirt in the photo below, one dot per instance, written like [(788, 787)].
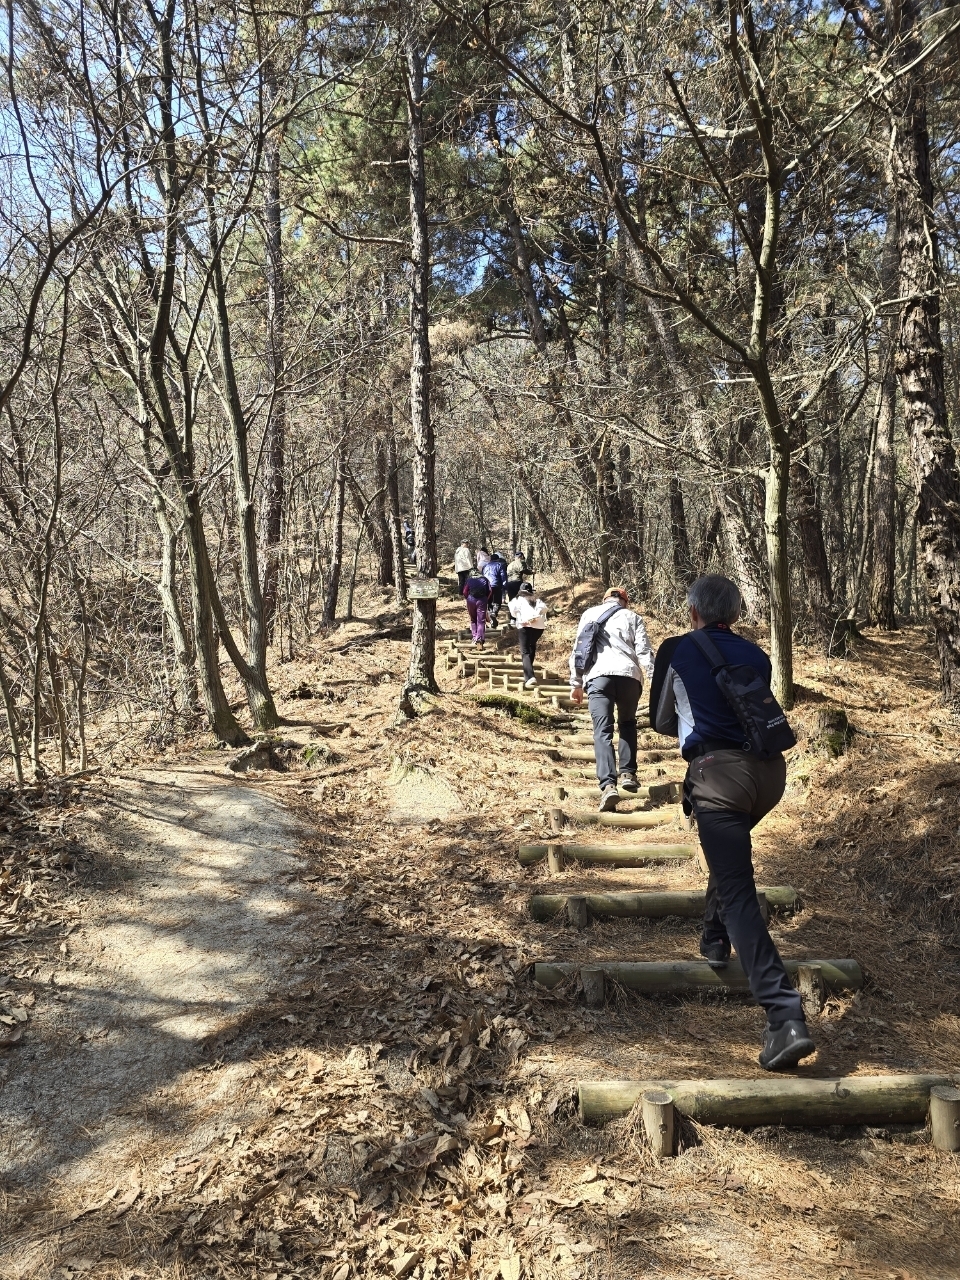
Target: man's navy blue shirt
[(682, 674)]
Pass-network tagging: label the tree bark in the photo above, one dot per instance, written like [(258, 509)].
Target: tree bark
[(834, 529), (919, 350), (336, 548), (546, 527), (222, 720), (378, 517), (883, 587), (396, 535), (810, 525), (682, 562), (274, 445), (420, 677)]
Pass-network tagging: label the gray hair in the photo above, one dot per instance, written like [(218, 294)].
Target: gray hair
[(715, 598)]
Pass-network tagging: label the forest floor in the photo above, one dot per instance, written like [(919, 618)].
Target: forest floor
[(282, 1026)]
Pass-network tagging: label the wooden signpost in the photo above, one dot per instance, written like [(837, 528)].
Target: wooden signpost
[(423, 588)]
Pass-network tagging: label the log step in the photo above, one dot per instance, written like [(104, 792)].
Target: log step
[(618, 855), (656, 793), (650, 904), (873, 1100), (631, 821), (577, 754), (685, 976)]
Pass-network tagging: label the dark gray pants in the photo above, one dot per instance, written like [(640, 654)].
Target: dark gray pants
[(604, 694), (730, 792)]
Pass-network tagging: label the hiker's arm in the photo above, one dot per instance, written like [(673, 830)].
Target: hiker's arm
[(643, 649)]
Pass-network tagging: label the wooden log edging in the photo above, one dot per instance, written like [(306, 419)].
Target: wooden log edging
[(635, 821), (649, 904), (583, 755), (614, 855), (656, 793), (660, 977), (874, 1100)]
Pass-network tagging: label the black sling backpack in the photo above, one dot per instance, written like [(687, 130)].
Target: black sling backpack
[(588, 641), (765, 727)]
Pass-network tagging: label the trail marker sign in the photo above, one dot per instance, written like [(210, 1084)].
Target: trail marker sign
[(423, 588)]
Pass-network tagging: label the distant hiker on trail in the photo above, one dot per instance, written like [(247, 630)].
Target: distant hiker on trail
[(609, 659), (516, 572), (495, 572), (462, 564), (735, 775), (476, 592), (530, 616), (483, 558), (410, 540)]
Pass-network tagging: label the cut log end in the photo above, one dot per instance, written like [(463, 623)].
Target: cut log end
[(812, 989), (945, 1117), (578, 913), (656, 1109), (555, 858), (593, 985)]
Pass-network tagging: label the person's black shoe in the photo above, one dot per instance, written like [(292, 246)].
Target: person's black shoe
[(785, 1044), (716, 954)]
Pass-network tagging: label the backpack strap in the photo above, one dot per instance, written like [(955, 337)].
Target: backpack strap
[(605, 617), (708, 649)]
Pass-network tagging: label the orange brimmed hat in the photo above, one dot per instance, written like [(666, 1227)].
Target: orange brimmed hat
[(620, 592)]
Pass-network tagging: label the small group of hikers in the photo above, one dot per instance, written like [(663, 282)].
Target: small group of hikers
[(483, 588), (710, 689)]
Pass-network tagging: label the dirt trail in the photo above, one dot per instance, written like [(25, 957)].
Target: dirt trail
[(199, 929)]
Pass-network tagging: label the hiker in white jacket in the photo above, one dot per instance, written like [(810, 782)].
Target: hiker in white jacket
[(613, 679), (529, 617), (462, 564)]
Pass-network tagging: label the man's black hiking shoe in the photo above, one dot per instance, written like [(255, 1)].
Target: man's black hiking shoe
[(716, 954), (785, 1044)]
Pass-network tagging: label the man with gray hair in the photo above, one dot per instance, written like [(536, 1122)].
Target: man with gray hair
[(728, 788)]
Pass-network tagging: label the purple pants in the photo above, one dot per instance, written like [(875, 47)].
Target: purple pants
[(477, 610)]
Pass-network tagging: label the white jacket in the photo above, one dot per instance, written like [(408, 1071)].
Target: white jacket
[(462, 560), (627, 651), (527, 612)]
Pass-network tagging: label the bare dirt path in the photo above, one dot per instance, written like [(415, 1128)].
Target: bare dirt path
[(193, 924)]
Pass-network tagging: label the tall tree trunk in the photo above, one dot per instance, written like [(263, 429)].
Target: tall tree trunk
[(336, 549), (682, 563), (736, 536), (883, 586), (396, 532), (919, 352), (834, 529), (810, 524), (183, 661), (420, 677), (275, 437), (378, 516), (252, 669), (221, 719), (547, 529)]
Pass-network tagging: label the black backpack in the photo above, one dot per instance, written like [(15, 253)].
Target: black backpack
[(766, 730), (588, 641), (478, 588)]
